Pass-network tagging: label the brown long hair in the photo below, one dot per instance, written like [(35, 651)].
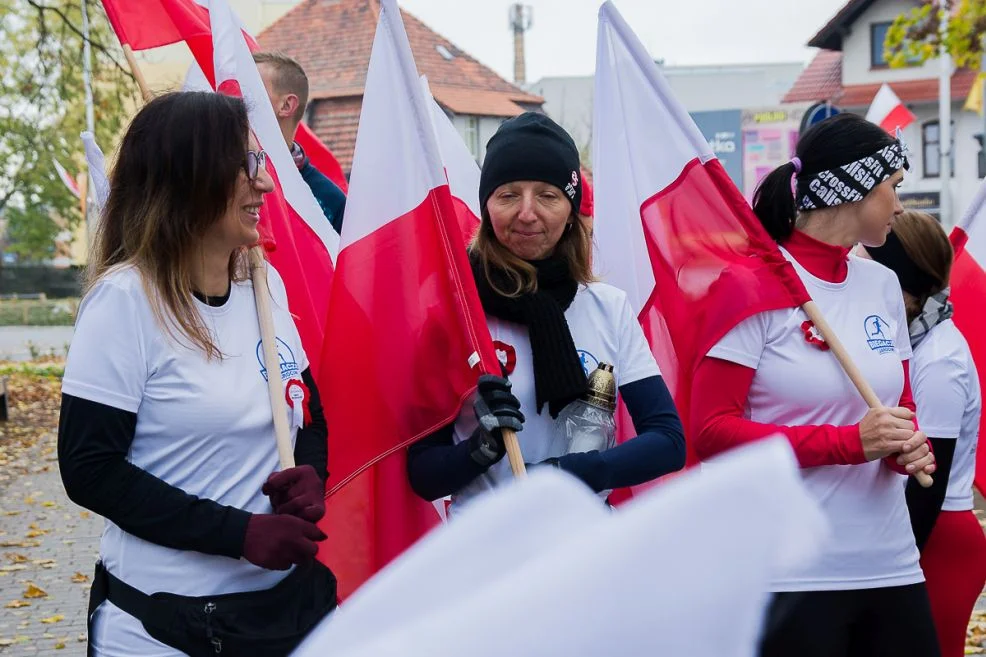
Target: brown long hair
[(926, 244), (574, 247), (174, 178)]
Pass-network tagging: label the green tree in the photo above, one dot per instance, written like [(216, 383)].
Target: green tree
[(42, 112), (916, 36)]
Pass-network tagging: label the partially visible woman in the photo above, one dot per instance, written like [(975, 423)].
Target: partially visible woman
[(949, 403), (166, 428), (552, 325)]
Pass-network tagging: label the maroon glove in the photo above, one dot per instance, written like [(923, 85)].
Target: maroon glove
[(296, 492), (277, 542)]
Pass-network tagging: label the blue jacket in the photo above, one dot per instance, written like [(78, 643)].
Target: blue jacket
[(330, 198)]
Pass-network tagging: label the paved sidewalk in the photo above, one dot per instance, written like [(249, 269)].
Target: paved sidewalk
[(49, 543)]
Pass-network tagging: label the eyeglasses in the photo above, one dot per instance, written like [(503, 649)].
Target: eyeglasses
[(255, 161)]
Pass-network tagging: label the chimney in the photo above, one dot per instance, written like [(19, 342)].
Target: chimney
[(520, 22)]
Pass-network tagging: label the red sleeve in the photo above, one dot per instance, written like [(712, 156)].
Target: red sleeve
[(907, 397), (907, 401), (719, 394)]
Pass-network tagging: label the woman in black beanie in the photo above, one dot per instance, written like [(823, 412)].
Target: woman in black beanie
[(552, 325)]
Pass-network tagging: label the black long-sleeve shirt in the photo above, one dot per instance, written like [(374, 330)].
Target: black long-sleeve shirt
[(93, 442), (438, 467)]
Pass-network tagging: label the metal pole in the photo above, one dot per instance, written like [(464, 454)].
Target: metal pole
[(982, 89), (945, 124), (87, 85)]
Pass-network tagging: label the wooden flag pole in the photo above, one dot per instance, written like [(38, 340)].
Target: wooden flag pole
[(275, 386), (862, 385), (145, 91), (261, 293), (514, 455)]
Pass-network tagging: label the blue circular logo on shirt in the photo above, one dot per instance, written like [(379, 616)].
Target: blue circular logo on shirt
[(877, 336), (589, 362)]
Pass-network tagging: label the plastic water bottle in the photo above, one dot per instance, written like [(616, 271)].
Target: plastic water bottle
[(588, 424)]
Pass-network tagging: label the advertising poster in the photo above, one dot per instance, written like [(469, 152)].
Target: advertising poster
[(722, 130), (770, 135)]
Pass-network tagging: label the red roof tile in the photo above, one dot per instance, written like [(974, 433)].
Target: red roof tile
[(459, 100), (910, 91), (331, 39), (822, 80)]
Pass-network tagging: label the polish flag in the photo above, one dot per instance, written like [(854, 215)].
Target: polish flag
[(677, 235), (407, 337), (968, 293), (154, 23), (67, 179), (888, 112), (461, 168), (301, 243)]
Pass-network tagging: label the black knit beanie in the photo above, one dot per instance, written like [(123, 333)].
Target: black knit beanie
[(531, 147)]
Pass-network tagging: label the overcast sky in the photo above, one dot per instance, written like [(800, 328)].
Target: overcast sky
[(562, 40)]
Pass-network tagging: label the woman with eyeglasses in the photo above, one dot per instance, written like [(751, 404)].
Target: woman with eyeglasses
[(166, 427)]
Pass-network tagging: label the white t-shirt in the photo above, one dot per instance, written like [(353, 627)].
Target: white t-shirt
[(202, 426), (603, 328), (797, 383), (946, 391)]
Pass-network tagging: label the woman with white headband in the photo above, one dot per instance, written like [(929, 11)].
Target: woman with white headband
[(772, 374)]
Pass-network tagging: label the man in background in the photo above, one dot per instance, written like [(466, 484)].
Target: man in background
[(287, 86)]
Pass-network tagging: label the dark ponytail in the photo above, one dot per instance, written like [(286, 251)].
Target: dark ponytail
[(834, 142), (773, 202)]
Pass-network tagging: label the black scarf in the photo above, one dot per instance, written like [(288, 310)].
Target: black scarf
[(558, 375)]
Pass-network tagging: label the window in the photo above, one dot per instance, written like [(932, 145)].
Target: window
[(931, 149), (878, 34), (444, 52), (471, 135)]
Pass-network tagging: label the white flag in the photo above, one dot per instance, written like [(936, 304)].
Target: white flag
[(540, 567)]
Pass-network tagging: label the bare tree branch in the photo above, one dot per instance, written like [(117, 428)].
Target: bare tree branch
[(95, 44)]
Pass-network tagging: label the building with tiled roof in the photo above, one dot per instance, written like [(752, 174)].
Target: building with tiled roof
[(332, 39), (849, 69)]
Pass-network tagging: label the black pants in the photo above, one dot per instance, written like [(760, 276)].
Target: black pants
[(886, 622)]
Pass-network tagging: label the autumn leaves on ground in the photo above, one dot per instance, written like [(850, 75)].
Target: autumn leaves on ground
[(48, 545)]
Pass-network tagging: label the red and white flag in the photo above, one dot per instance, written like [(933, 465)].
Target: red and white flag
[(67, 179), (154, 23), (461, 168), (676, 234), (407, 337), (301, 243), (968, 295), (888, 112)]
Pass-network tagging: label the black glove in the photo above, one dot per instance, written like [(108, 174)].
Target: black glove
[(496, 409), (277, 542)]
